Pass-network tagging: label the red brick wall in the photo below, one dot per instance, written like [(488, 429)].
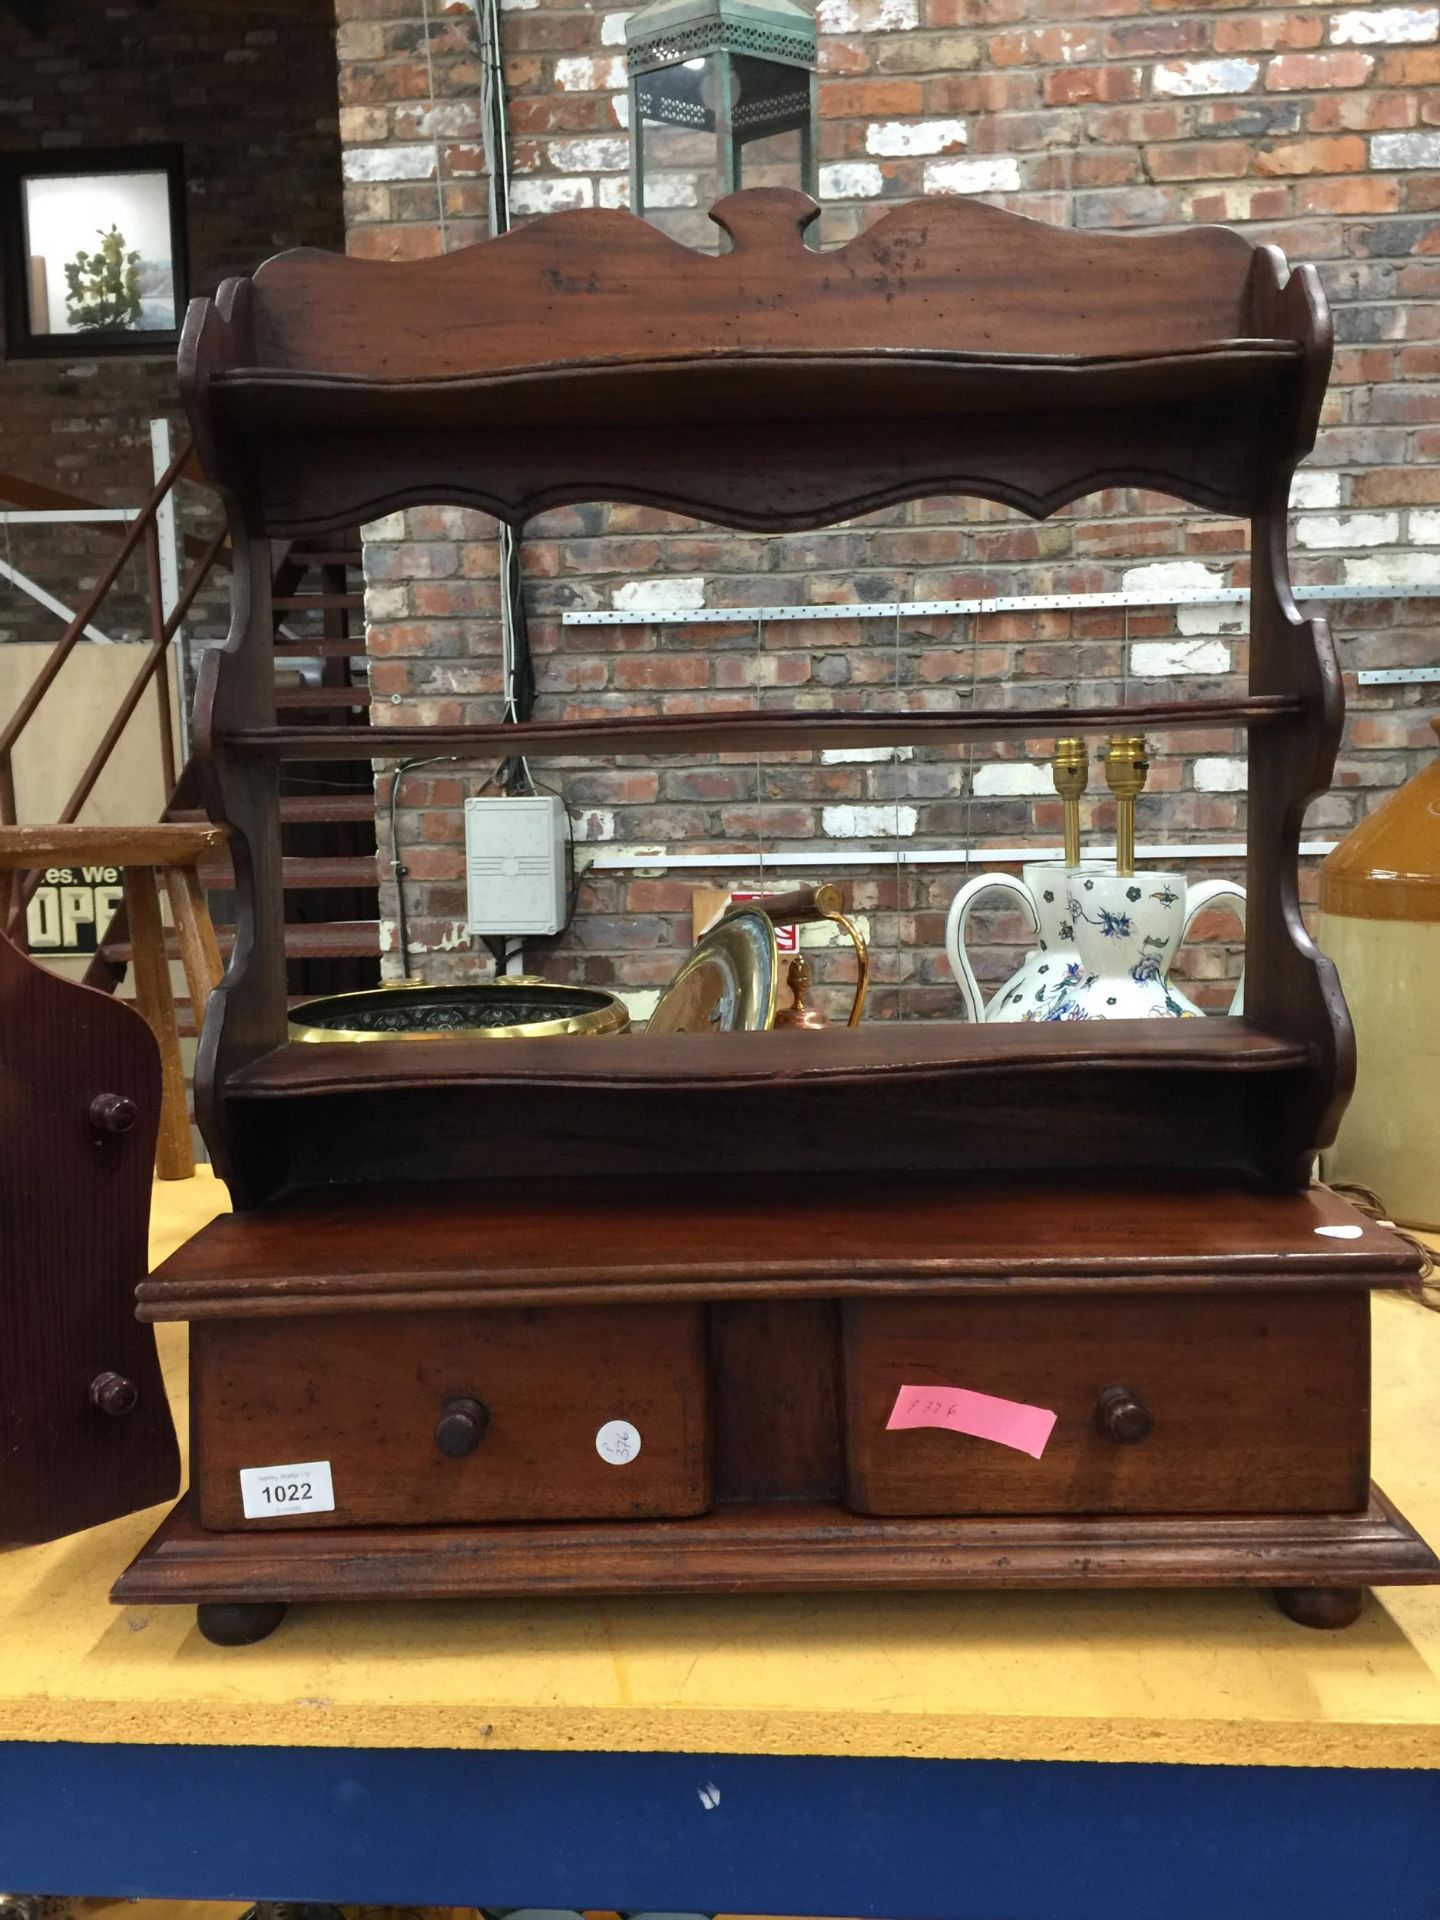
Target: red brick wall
[(1314, 126), (250, 94)]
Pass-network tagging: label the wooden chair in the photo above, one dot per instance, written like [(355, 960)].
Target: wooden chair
[(145, 854)]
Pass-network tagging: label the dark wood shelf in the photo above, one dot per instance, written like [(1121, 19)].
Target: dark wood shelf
[(769, 388), (755, 732), (772, 1230), (531, 1242), (890, 1051)]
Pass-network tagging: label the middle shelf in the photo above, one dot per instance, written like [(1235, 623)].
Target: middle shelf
[(755, 732)]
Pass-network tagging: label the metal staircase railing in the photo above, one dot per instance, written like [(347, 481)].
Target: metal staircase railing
[(327, 927), (142, 534)]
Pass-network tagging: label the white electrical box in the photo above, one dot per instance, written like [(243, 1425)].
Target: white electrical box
[(515, 876)]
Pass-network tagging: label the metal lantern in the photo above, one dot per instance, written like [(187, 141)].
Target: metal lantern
[(736, 70)]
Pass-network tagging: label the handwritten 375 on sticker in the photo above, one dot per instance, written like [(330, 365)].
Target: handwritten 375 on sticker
[(1009, 1423)]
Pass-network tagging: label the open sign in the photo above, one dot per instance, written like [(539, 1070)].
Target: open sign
[(72, 907)]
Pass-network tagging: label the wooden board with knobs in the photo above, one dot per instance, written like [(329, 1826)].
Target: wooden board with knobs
[(85, 1431)]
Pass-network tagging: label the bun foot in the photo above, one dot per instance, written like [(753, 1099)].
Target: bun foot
[(1321, 1606), (226, 1623)]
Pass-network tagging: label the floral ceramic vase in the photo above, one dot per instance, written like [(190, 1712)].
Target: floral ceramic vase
[(1105, 943), (1041, 897)]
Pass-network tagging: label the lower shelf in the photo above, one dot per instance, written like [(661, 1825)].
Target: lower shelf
[(776, 1549)]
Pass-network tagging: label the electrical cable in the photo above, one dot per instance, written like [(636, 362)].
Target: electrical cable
[(513, 775), (895, 765), (1365, 1200), (517, 667), (759, 774), (402, 771), (330, 786), (435, 129), (493, 124)]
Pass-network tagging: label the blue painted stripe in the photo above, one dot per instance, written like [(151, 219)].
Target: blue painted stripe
[(936, 1840)]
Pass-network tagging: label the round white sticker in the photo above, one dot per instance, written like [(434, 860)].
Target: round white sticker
[(618, 1442)]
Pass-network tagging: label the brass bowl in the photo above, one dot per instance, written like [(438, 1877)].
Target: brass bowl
[(512, 1007)]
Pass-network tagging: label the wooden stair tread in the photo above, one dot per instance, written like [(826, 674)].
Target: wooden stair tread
[(322, 698), (318, 602), (300, 871), (885, 1049), (318, 647), (321, 940), (378, 1244), (187, 1025), (296, 808)]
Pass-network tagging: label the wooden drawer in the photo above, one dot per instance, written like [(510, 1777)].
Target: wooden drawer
[(1259, 1403), (365, 1393)]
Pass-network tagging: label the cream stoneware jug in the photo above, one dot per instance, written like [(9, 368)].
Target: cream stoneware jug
[(1380, 924), (1104, 948)]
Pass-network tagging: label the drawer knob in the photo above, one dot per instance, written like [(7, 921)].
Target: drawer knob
[(113, 1113), (1122, 1416), (461, 1427), (112, 1393)]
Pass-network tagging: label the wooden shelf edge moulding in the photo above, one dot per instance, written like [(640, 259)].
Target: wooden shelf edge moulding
[(752, 732), (777, 1549)]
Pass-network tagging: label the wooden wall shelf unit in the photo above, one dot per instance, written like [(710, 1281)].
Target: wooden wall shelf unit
[(452, 1265)]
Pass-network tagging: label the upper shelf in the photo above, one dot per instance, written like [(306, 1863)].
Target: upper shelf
[(952, 347)]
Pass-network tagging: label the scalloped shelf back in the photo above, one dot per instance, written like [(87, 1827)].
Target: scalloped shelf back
[(951, 348)]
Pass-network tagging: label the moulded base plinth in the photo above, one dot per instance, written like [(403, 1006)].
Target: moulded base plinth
[(779, 1549)]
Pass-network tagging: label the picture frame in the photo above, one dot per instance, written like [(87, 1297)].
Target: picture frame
[(93, 251)]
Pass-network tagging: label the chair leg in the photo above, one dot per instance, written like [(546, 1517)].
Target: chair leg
[(199, 949), (174, 1158)]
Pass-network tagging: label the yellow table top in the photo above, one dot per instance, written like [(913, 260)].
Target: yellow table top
[(1179, 1677)]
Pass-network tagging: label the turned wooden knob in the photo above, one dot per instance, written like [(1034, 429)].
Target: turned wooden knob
[(1122, 1416), (112, 1393), (113, 1113), (461, 1427)]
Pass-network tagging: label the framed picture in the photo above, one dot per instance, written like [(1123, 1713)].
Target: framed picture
[(93, 250)]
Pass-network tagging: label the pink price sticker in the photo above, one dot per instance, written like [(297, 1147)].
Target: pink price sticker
[(1010, 1423)]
